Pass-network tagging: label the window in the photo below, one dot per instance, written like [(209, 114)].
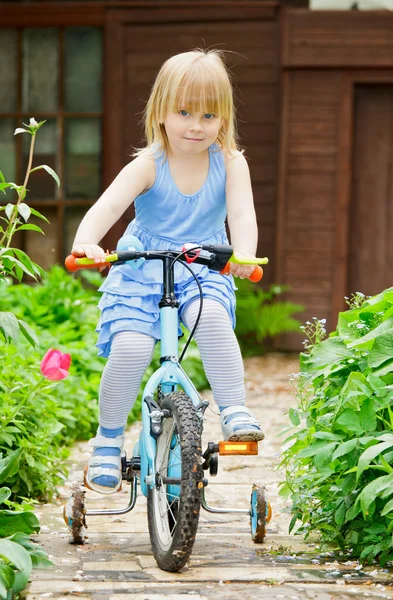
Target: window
[(53, 74)]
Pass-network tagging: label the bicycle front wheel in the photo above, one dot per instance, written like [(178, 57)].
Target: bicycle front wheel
[(173, 505)]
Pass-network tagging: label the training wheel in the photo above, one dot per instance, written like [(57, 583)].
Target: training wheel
[(261, 513), (74, 514)]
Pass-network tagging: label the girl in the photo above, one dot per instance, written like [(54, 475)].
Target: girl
[(188, 178)]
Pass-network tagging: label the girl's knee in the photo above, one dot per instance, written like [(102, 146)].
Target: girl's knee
[(214, 315), (129, 346)]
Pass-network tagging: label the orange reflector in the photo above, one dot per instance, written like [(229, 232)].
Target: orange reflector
[(237, 448)]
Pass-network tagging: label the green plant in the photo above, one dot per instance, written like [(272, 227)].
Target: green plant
[(18, 554), (13, 261), (338, 460), (260, 316)]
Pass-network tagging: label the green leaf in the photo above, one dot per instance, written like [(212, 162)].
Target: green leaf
[(50, 171), (20, 559), (327, 353), (294, 417), (30, 227), (9, 324), (38, 214), (10, 464), (370, 492), (293, 522), (12, 522), (29, 333), (368, 339), (387, 367), (367, 416), (339, 515), (326, 435), (382, 350), (349, 420), (345, 448), (387, 508), (9, 209), (5, 493), (316, 448), (369, 455), (24, 211), (376, 528), (7, 580)]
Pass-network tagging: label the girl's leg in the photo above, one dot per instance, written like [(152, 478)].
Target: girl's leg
[(223, 365), (131, 353)]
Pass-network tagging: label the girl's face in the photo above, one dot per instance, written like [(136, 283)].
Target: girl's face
[(191, 132)]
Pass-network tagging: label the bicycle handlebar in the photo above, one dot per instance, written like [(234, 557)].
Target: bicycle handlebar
[(217, 257)]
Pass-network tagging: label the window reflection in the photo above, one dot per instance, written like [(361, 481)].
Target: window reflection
[(83, 69), (40, 64), (82, 158), (7, 157), (8, 70)]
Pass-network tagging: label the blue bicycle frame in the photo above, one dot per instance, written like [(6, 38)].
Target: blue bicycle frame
[(169, 376)]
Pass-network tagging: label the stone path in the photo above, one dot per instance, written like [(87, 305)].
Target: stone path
[(117, 562)]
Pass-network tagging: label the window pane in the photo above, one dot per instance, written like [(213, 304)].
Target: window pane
[(41, 185), (83, 69), (82, 158), (8, 70), (8, 157), (40, 70), (42, 248)]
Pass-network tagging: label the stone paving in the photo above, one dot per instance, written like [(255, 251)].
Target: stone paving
[(117, 563)]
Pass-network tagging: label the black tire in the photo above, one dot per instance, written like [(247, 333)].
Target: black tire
[(172, 531)]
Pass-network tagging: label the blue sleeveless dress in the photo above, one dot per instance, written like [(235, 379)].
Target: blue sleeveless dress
[(165, 219)]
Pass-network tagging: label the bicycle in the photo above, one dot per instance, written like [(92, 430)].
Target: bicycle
[(168, 460)]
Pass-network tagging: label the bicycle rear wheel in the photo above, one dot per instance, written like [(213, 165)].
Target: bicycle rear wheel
[(173, 506)]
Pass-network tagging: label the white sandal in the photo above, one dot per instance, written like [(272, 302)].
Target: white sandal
[(99, 464), (238, 424)]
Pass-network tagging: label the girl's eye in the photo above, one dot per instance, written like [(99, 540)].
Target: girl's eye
[(209, 116), (184, 113)]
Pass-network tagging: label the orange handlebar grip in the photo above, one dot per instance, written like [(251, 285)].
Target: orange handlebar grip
[(257, 274), (226, 270), (72, 266), (70, 263)]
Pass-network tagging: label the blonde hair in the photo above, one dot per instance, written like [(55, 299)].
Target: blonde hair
[(197, 81)]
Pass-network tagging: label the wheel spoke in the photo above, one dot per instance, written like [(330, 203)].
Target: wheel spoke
[(173, 516)]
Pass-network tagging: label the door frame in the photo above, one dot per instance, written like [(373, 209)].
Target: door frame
[(344, 176)]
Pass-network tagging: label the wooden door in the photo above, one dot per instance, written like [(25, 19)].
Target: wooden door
[(371, 210)]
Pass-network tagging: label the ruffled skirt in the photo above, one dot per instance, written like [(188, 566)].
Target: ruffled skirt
[(130, 297)]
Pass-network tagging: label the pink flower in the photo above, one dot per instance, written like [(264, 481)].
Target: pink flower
[(55, 365)]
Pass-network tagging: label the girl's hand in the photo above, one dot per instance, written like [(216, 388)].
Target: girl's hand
[(92, 251), (242, 271)]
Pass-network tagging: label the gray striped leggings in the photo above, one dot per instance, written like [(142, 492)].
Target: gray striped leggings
[(131, 354)]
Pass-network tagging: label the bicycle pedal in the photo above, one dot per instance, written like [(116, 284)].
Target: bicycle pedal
[(235, 448)]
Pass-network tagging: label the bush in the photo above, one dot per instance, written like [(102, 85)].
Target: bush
[(338, 466), (260, 316)]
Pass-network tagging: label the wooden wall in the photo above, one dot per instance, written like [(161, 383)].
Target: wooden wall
[(327, 221)]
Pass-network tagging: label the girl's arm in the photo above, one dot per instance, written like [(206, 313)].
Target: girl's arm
[(136, 177), (242, 219)]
